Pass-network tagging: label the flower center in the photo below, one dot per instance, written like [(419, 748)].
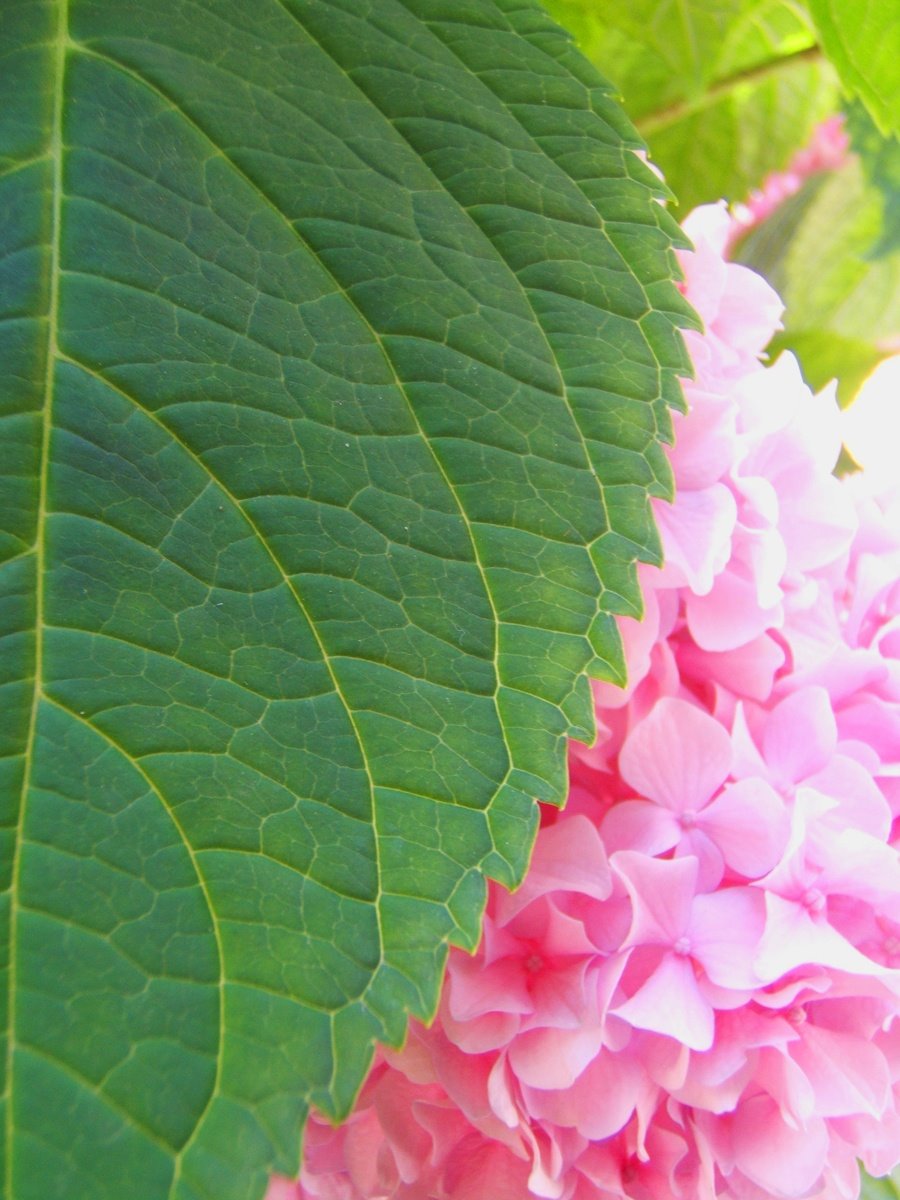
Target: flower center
[(682, 946), (813, 900)]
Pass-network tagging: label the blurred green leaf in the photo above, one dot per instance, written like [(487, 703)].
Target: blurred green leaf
[(880, 157), (822, 269), (863, 41), (824, 356), (887, 1187), (724, 91), (745, 128), (842, 307)]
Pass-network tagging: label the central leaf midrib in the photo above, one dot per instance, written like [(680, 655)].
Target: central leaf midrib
[(57, 60)]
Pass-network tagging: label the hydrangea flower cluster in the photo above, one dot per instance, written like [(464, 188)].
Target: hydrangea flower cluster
[(694, 992)]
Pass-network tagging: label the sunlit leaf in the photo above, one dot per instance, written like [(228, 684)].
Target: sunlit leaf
[(880, 157), (862, 39), (826, 356), (815, 251), (887, 1187)]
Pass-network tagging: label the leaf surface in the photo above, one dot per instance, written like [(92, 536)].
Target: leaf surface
[(884, 1187), (862, 39), (338, 344), (880, 158), (816, 251)]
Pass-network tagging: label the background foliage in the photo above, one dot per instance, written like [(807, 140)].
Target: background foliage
[(727, 92)]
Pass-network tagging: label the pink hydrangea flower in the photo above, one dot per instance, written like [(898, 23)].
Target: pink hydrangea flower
[(695, 992)]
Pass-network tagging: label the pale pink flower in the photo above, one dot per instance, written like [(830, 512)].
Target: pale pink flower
[(678, 758), (716, 932)]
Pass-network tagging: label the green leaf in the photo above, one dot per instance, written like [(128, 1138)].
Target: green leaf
[(745, 127), (863, 42), (880, 158), (826, 356), (842, 307), (338, 344), (886, 1187), (815, 252), (724, 91)]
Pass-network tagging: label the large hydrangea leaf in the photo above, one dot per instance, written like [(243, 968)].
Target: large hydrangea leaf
[(724, 91), (338, 341)]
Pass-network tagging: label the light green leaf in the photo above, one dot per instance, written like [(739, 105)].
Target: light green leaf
[(724, 146), (880, 158), (724, 91), (885, 1187), (862, 39), (338, 347), (826, 356), (842, 307), (815, 252)]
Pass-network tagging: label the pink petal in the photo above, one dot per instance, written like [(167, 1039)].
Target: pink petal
[(793, 938), (817, 521), (749, 311), (670, 1002), (554, 1058), (409, 1142), (481, 1034), (730, 615), (282, 1189), (476, 988), (598, 1103), (861, 866), (552, 931), (479, 1168), (665, 1061), (661, 892), (568, 856), (725, 932), (747, 670), (704, 439), (848, 1075), (563, 997), (696, 534), (750, 825), (862, 805), (640, 825), (784, 1161), (696, 843), (800, 735), (678, 755)]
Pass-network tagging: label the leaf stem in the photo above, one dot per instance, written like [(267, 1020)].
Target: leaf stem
[(652, 122)]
